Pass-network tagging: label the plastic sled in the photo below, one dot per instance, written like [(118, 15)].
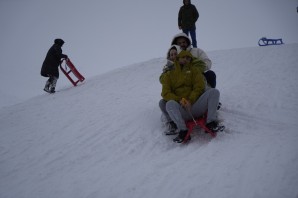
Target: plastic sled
[(201, 122), (264, 41), (69, 69)]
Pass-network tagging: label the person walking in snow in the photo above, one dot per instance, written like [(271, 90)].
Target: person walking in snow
[(187, 17), (183, 90), (51, 63)]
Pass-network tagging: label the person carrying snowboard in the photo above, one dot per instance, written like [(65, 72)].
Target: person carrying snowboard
[(50, 66)]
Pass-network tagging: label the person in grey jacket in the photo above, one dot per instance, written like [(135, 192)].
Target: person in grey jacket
[(50, 65)]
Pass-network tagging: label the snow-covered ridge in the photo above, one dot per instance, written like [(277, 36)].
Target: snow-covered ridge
[(104, 138)]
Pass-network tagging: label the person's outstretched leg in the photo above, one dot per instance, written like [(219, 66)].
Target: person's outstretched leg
[(178, 114), (207, 102)]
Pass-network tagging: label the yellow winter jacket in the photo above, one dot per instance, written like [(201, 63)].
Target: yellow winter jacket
[(201, 65), (198, 63), (183, 82)]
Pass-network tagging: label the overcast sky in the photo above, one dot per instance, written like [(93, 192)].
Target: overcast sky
[(103, 35)]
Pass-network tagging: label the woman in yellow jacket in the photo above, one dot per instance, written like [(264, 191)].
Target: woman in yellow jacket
[(184, 96)]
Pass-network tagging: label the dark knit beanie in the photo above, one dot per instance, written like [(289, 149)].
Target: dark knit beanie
[(59, 41)]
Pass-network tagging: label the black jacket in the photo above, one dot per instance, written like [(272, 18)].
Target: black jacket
[(187, 16), (52, 61)]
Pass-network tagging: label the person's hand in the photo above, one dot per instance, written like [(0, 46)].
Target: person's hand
[(167, 67), (185, 103)]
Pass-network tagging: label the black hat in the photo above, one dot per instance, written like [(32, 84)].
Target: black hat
[(59, 41)]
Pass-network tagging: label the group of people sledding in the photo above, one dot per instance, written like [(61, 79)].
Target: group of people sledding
[(188, 84), (188, 88)]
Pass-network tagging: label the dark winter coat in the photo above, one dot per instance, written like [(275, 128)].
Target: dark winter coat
[(52, 61), (187, 16)]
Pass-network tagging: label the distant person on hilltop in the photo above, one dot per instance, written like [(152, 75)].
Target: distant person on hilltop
[(187, 17), (50, 65)]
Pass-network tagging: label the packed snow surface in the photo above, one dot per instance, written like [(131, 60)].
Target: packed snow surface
[(104, 138)]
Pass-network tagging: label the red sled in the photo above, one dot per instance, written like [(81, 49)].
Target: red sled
[(201, 122), (70, 68)]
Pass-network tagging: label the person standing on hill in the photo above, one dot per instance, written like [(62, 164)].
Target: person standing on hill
[(50, 65), (187, 17)]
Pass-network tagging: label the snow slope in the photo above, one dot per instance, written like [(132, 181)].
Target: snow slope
[(104, 138)]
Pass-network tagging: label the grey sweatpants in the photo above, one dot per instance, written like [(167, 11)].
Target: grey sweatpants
[(207, 102)]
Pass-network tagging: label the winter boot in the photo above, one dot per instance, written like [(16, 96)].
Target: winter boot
[(53, 81), (47, 86), (219, 105), (180, 138), (171, 128), (52, 90), (214, 126)]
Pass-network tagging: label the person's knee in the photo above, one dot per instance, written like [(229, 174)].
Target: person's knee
[(162, 104), (214, 92), (170, 104)]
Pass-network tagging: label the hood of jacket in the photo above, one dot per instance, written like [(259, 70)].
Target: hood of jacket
[(177, 47), (59, 42), (185, 53), (184, 2), (174, 40)]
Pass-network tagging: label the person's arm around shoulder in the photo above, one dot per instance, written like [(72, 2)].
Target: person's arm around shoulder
[(168, 67), (198, 63), (199, 53)]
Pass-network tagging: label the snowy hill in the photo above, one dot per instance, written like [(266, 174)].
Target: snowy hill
[(104, 138)]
